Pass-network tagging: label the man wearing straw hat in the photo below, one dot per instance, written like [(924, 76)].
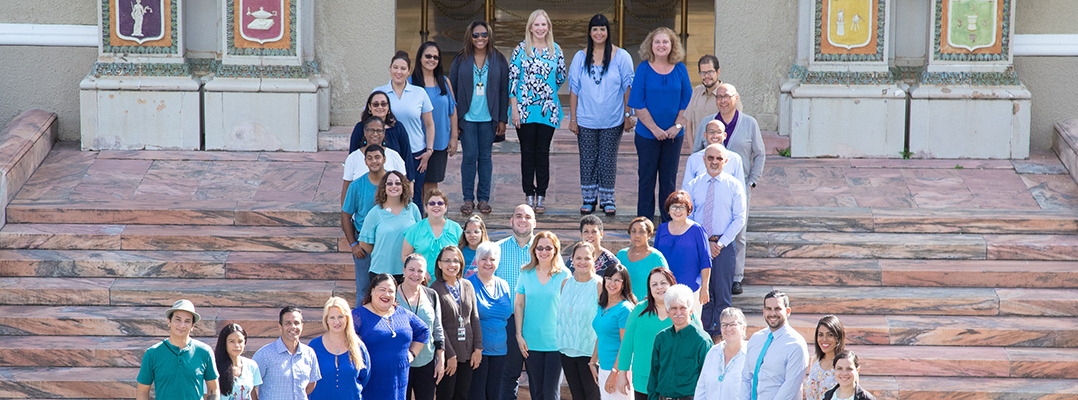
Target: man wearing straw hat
[(179, 367)]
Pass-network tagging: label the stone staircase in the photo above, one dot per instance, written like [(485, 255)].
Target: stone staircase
[(941, 303)]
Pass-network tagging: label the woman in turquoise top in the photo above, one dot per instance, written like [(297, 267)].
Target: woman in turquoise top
[(536, 72), (616, 301), (475, 234), (429, 364), (428, 75), (495, 304), (538, 294), (644, 322), (382, 235), (640, 258), (238, 376), (576, 337), (429, 236)]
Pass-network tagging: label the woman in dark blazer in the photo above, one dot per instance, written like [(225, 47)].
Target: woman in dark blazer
[(847, 374), (460, 321), (480, 77)]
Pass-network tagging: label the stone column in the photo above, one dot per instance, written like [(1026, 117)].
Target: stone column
[(840, 99), (266, 93), (969, 102), (140, 93)]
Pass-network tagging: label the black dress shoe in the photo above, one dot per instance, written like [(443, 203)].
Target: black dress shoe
[(737, 288)]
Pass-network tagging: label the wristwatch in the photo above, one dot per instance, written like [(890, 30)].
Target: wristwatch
[(627, 114), (678, 126)]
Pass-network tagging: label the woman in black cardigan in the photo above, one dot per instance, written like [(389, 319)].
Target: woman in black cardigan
[(480, 75), (847, 374)]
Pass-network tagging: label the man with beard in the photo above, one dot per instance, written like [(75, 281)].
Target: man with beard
[(516, 251), (289, 368), (702, 102), (776, 358)]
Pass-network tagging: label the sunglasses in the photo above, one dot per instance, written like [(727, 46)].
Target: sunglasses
[(435, 203), (379, 104), (431, 57), (394, 184), (475, 232), (544, 248), (477, 35)]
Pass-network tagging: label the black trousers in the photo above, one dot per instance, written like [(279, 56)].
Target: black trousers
[(456, 386), (487, 379), (421, 382), (535, 157), (578, 375)]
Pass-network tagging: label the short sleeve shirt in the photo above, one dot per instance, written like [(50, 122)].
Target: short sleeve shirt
[(178, 373), (246, 382), (285, 375), (409, 109), (540, 308)]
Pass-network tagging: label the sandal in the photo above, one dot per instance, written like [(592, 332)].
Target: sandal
[(587, 208), (484, 207), (610, 210), (467, 207)]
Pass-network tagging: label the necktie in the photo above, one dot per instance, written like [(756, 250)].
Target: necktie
[(709, 206), (759, 361)]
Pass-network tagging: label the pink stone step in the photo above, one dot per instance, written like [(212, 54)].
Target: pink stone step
[(1032, 247), (229, 292), (61, 236), (864, 245), (1048, 302), (877, 300), (989, 221), (63, 382), (191, 212), (45, 291), (230, 238), (90, 351), (282, 265), (989, 362), (937, 388), (112, 263), (139, 321), (919, 273)]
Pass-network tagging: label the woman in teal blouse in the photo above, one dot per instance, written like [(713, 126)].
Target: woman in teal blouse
[(383, 228), (429, 236), (538, 295), (536, 72), (616, 301), (640, 258)]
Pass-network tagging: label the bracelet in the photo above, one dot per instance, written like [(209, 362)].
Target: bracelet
[(354, 244)]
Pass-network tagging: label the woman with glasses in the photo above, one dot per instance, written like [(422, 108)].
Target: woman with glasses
[(414, 110), (382, 234), (599, 80), (616, 301), (396, 137), (480, 76), (494, 300), (460, 322), (536, 71), (429, 236), (684, 244), (428, 74), (475, 234), (538, 294), (721, 376)]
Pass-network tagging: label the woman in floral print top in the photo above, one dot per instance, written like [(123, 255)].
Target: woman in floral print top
[(536, 72)]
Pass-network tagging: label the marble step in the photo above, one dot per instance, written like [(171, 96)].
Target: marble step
[(136, 321), (188, 212), (169, 237), (917, 300), (864, 245), (90, 351), (934, 330), (922, 273), (148, 292), (67, 383)]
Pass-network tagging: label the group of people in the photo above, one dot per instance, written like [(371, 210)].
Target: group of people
[(590, 328)]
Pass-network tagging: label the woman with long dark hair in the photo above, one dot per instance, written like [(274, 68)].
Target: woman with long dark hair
[(395, 137), (616, 301), (382, 235), (480, 77), (238, 375), (599, 81), (830, 341), (428, 74)]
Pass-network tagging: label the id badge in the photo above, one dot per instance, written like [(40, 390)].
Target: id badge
[(480, 89), (460, 334)]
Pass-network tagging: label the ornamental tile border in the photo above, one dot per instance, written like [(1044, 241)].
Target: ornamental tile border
[(107, 25), (140, 69), (203, 66), (308, 69), (980, 57), (1006, 78), (881, 19), (801, 73), (230, 33), (908, 74)]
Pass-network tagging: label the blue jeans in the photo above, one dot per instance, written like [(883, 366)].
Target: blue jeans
[(487, 379), (514, 362), (722, 277), (363, 278), (476, 142), (544, 375), (661, 158)]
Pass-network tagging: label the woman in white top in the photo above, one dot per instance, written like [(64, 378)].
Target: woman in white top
[(238, 375), (721, 376), (830, 340)]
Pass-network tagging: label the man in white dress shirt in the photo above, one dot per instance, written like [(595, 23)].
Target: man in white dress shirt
[(777, 358), (719, 200), (715, 132)]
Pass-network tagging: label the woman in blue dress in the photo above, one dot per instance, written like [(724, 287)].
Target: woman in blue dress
[(342, 357), (661, 93), (393, 335), (536, 72), (428, 74)]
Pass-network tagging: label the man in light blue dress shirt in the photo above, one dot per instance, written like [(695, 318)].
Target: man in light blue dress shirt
[(289, 368), (718, 200), (777, 358), (516, 251)]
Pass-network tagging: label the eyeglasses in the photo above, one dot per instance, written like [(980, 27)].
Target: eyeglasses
[(729, 325), (450, 260), (431, 57), (475, 232), (544, 248), (680, 207), (725, 97), (708, 73), (394, 184), (710, 131), (614, 280), (379, 104), (435, 203), (374, 130), (477, 35)]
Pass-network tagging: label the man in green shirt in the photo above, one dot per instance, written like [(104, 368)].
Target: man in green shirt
[(679, 350), (179, 367)]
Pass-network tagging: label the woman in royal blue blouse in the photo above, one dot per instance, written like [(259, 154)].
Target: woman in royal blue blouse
[(660, 95), (343, 359), (494, 300), (393, 335), (536, 71), (684, 244)]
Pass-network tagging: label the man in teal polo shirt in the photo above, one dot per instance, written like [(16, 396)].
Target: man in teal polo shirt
[(179, 368)]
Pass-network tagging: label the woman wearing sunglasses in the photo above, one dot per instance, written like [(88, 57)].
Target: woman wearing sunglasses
[(428, 74), (480, 78), (429, 236), (538, 295), (393, 213)]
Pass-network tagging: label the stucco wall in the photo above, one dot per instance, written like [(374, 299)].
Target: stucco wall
[(1051, 80), (756, 49), (354, 42), (80, 12)]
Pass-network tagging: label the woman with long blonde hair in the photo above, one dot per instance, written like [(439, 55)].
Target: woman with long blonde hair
[(342, 357), (537, 300)]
